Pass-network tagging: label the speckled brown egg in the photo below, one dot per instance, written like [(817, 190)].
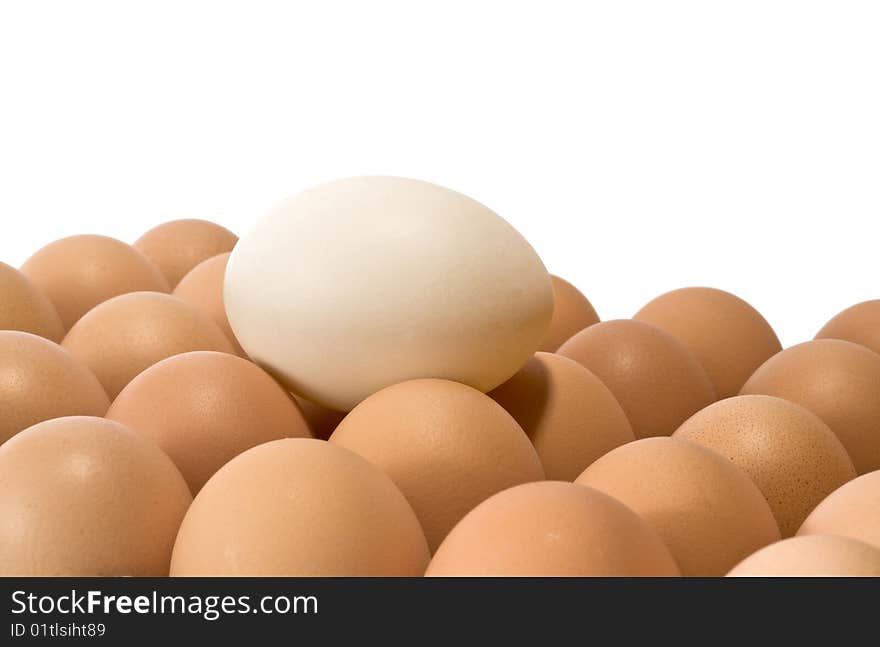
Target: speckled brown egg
[(40, 380), (837, 380), (79, 272), (707, 511), (295, 508), (552, 529), (812, 556), (322, 421), (205, 408), (859, 324), (567, 412), (24, 307), (726, 335), (446, 446), (572, 312), (790, 454), (127, 334), (83, 496), (852, 510), (203, 287), (655, 378), (176, 247)]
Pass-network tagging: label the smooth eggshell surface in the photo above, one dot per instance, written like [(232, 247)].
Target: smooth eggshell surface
[(572, 312), (446, 446), (727, 335), (552, 529), (812, 556), (655, 378), (837, 380), (859, 324), (790, 454), (205, 408), (852, 510), (365, 282), (567, 412), (40, 380), (87, 497), (24, 307), (300, 507), (706, 510)]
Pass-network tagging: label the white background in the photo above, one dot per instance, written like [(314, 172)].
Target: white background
[(640, 146)]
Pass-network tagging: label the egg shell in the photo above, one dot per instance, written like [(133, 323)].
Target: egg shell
[(86, 497), (706, 510), (362, 283), (726, 335), (567, 412), (322, 421), (79, 272), (572, 312), (24, 307), (552, 529), (446, 446), (791, 455), (127, 334), (859, 324), (837, 380), (202, 287), (40, 380), (852, 510), (176, 247), (655, 378), (205, 408), (299, 507), (812, 556)]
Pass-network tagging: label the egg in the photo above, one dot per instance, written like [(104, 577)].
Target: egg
[(322, 421), (79, 272), (299, 507), (837, 380), (567, 412), (726, 335), (655, 378), (812, 556), (446, 446), (87, 497), (127, 334), (365, 282), (39, 380), (859, 324), (852, 510), (707, 511), (176, 247), (205, 408), (790, 454), (552, 529), (572, 312), (24, 307)]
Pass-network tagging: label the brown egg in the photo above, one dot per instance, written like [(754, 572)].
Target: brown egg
[(83, 496), (567, 412), (322, 421), (859, 324), (79, 272), (790, 454), (709, 513), (726, 335), (204, 408), (39, 380), (552, 529), (812, 556), (176, 247), (446, 446), (572, 312), (24, 307), (852, 510), (127, 334), (838, 381), (202, 287), (299, 507), (657, 381)]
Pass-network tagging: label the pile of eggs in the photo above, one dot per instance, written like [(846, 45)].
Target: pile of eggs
[(382, 379)]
